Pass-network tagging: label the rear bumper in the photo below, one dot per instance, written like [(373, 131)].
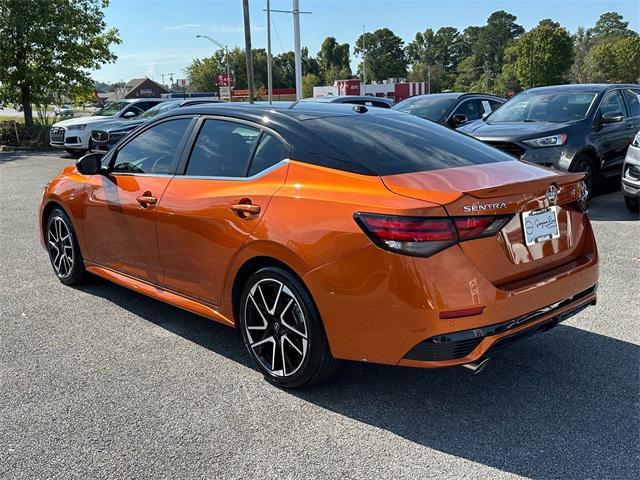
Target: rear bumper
[(378, 306), (471, 345)]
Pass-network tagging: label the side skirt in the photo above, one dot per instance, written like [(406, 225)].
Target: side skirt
[(158, 293)]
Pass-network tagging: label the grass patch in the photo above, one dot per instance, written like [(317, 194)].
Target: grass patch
[(11, 118)]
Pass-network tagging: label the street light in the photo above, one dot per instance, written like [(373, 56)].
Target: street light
[(226, 49)]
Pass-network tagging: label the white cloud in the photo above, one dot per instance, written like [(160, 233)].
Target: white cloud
[(181, 26)]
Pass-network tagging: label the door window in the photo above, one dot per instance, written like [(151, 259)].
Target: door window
[(494, 104), (269, 152), (472, 109), (612, 102), (222, 149), (152, 151), (633, 101)]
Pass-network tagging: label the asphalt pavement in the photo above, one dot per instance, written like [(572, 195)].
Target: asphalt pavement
[(101, 382)]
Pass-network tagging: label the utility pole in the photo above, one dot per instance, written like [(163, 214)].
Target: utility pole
[(162, 75), (296, 43), (296, 40), (364, 60), (269, 72), (531, 65), (247, 45), (170, 80), (429, 77)]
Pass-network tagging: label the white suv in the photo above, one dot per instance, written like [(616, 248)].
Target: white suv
[(74, 134)]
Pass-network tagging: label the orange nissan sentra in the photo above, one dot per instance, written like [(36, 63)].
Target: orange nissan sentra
[(326, 232)]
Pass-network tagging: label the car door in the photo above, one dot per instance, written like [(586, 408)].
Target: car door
[(632, 97), (120, 208), (611, 138), (207, 213)]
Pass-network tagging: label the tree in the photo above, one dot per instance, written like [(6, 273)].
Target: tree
[(616, 60), (487, 44), (610, 27), (383, 55), (48, 48), (333, 60), (309, 81), (435, 55), (611, 24), (542, 56), (201, 73)]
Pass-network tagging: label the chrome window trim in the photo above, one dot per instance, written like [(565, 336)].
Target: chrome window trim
[(128, 174), (261, 173)]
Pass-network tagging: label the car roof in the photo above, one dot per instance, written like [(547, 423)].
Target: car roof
[(345, 98), (297, 111), (582, 87)]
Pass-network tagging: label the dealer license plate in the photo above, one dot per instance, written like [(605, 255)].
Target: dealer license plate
[(540, 225)]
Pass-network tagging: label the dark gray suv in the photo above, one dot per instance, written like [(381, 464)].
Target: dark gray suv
[(579, 128)]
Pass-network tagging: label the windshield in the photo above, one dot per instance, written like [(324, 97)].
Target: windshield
[(556, 107), (160, 108), (111, 109), (430, 108)]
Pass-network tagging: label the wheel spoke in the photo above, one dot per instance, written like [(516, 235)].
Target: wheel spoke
[(52, 235), (281, 343), (264, 320)]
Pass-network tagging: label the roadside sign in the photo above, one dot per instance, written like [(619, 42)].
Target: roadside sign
[(224, 80), (225, 93)]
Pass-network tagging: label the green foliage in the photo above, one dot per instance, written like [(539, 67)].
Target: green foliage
[(309, 81), (384, 55), (542, 56), (333, 60), (201, 73), (611, 24), (616, 60), (48, 47)]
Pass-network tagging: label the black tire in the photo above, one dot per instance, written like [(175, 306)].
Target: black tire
[(632, 203), (69, 270), (76, 153), (275, 336), (584, 163)]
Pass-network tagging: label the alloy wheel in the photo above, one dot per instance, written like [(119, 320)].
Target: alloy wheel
[(276, 327), (60, 243), (585, 166)]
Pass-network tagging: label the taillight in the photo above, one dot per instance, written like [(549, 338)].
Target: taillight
[(424, 236)]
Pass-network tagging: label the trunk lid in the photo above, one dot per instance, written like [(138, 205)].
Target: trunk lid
[(504, 188)]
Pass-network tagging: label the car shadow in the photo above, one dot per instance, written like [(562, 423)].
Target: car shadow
[(558, 405), (609, 206)]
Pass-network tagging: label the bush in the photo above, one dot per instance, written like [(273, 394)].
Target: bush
[(33, 137)]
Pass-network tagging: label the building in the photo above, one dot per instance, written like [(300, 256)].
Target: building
[(137, 88), (396, 90)]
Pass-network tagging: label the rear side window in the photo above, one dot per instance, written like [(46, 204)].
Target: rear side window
[(388, 144), (269, 152), (222, 149)]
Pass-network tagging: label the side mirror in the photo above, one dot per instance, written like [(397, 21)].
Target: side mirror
[(458, 119), (129, 114), (90, 164), (611, 117)]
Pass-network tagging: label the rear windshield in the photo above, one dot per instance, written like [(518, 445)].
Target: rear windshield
[(388, 144)]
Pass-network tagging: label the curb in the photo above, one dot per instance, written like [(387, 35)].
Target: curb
[(8, 148)]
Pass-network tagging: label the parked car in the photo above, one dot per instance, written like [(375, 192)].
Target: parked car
[(631, 176), (576, 128), (110, 133), (74, 134), (63, 111), (367, 100), (326, 232), (450, 109)]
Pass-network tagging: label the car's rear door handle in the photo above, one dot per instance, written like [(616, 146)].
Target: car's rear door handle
[(245, 209), (146, 200)]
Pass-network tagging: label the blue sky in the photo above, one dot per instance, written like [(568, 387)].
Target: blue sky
[(158, 36)]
